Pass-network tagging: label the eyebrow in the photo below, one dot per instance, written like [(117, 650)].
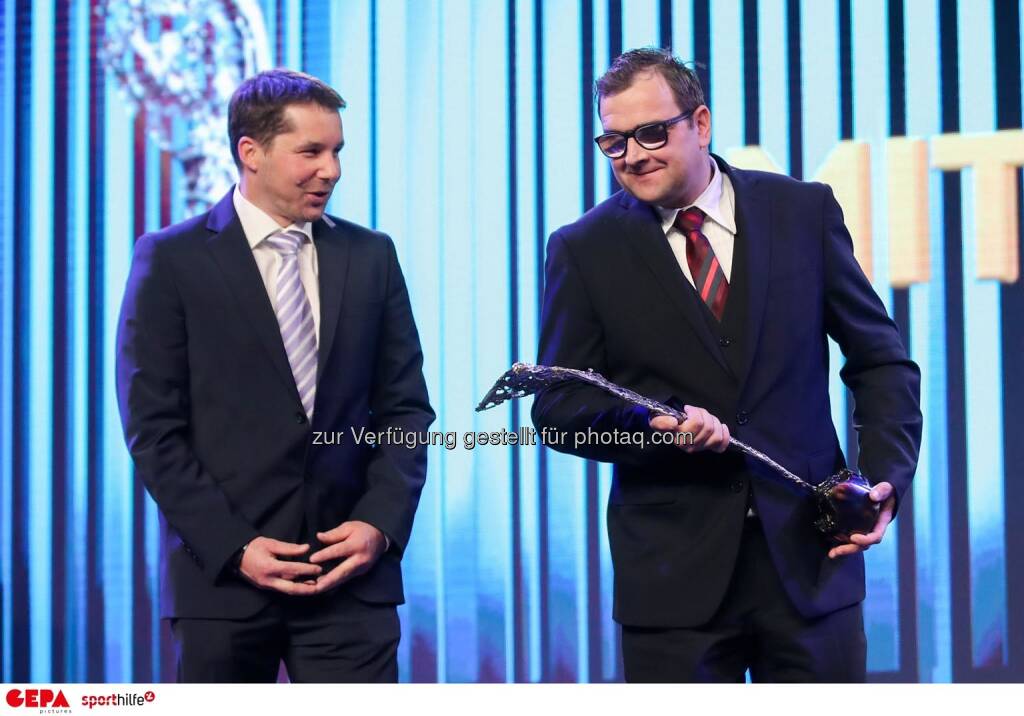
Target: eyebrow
[(633, 129), (677, 118), (316, 145)]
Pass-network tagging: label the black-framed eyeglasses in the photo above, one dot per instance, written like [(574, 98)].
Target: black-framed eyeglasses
[(648, 136)]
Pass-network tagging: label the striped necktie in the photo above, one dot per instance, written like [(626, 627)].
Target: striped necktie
[(295, 317), (708, 276)]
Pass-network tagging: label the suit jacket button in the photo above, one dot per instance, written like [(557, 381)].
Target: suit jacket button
[(742, 417), (300, 417), (737, 486), (724, 342)]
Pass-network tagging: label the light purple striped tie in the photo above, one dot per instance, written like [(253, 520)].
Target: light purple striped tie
[(295, 317)]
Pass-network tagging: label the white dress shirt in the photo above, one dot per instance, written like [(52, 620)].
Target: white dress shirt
[(718, 202), (257, 225)]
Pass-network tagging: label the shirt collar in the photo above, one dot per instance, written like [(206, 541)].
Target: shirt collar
[(258, 225), (713, 201)]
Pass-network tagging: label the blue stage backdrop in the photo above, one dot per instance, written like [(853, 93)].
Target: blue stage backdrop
[(468, 140)]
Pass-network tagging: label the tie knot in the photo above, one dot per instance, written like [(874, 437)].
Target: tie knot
[(287, 243), (690, 219)]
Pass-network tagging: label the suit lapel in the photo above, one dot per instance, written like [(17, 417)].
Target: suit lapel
[(646, 235), (332, 255), (233, 255), (753, 222)]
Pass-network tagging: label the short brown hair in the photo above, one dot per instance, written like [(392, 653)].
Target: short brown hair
[(257, 106), (681, 78)]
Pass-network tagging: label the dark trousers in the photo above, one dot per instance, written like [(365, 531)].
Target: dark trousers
[(331, 638), (756, 628)]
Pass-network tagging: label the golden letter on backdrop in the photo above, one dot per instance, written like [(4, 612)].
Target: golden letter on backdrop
[(752, 157), (909, 245), (847, 169), (994, 159)]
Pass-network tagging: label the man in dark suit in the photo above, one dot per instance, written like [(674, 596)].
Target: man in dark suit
[(704, 285), (255, 343)]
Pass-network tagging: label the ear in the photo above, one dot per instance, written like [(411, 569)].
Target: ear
[(250, 153), (702, 120)]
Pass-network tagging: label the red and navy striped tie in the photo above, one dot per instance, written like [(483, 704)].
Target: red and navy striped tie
[(708, 276)]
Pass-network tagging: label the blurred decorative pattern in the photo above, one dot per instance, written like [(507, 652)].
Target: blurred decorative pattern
[(182, 59)]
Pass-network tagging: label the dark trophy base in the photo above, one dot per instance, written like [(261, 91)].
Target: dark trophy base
[(845, 506)]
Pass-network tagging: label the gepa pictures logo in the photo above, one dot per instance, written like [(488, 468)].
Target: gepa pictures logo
[(37, 698)]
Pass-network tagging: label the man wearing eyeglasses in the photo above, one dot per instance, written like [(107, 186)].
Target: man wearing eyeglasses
[(713, 289)]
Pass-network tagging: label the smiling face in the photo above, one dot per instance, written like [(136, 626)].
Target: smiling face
[(291, 177), (670, 176)]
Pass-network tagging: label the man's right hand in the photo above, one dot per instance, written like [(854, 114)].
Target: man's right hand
[(709, 433), (261, 566)]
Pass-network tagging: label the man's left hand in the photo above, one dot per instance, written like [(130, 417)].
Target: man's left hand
[(357, 544), (882, 492)]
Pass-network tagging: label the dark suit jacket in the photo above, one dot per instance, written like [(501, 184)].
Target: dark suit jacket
[(213, 419), (616, 301)]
